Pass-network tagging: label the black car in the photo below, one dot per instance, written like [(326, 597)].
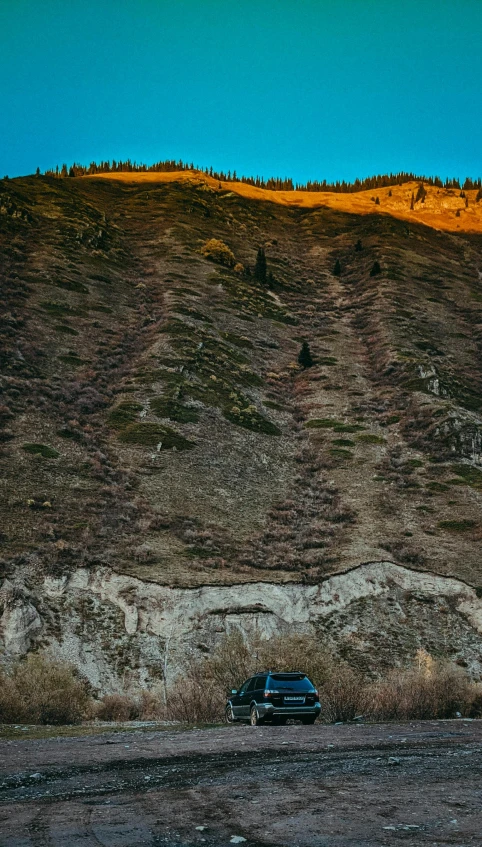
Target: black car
[(274, 697)]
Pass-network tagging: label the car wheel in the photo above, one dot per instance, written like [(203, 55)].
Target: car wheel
[(229, 714), (308, 720), (254, 718)]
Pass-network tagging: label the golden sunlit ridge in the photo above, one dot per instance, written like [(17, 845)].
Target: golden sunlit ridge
[(446, 209)]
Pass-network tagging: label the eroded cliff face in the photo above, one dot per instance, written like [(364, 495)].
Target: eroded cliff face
[(117, 629)]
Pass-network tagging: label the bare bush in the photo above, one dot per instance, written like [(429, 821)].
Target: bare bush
[(343, 694), (232, 662), (42, 691), (116, 707), (430, 690), (196, 699)]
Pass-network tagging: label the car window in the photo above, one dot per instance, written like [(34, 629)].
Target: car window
[(253, 685), (244, 687), (261, 683), (285, 683)]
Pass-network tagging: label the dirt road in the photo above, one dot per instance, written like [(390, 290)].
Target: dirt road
[(336, 786)]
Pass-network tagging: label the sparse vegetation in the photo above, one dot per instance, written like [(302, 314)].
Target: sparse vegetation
[(124, 414), (41, 450), (462, 525), (147, 434), (166, 408), (429, 689), (42, 691), (165, 349)]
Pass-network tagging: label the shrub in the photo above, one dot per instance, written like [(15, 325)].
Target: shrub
[(432, 690), (462, 525), (147, 434), (145, 705), (124, 414), (195, 699), (116, 707), (376, 269), (343, 694), (164, 407), (43, 691), (218, 251), (41, 450)]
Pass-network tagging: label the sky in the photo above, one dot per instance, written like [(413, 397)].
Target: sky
[(312, 89)]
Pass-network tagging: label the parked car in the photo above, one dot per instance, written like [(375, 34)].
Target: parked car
[(274, 697)]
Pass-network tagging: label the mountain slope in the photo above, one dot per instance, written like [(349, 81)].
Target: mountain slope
[(155, 421)]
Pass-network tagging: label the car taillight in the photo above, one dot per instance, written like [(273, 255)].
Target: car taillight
[(270, 692)]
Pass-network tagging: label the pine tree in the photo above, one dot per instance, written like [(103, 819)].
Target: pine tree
[(376, 269), (377, 201), (466, 202), (260, 267), (37, 172), (478, 196), (304, 358), (358, 246), (412, 201), (337, 268), (421, 192)]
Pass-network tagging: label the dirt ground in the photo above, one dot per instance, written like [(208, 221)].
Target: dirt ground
[(320, 786)]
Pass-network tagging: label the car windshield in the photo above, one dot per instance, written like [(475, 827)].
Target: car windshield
[(286, 683)]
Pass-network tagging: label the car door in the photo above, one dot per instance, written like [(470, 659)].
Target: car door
[(250, 695), (238, 701), (256, 689)]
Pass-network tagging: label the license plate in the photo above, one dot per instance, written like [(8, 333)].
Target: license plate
[(294, 699)]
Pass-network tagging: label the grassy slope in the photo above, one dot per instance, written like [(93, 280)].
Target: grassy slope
[(118, 337), (443, 209)]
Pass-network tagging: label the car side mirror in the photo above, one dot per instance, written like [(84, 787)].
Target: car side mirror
[(234, 691)]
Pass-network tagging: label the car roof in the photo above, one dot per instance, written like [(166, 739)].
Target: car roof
[(294, 674)]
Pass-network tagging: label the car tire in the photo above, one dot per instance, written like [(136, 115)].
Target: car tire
[(308, 721), (254, 718), (229, 714)]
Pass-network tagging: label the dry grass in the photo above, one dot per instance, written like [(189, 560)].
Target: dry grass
[(438, 210)]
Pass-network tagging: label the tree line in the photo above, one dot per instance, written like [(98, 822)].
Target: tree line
[(273, 183)]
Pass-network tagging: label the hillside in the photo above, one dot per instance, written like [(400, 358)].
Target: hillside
[(161, 449)]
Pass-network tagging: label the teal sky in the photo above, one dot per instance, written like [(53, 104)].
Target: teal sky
[(308, 89)]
